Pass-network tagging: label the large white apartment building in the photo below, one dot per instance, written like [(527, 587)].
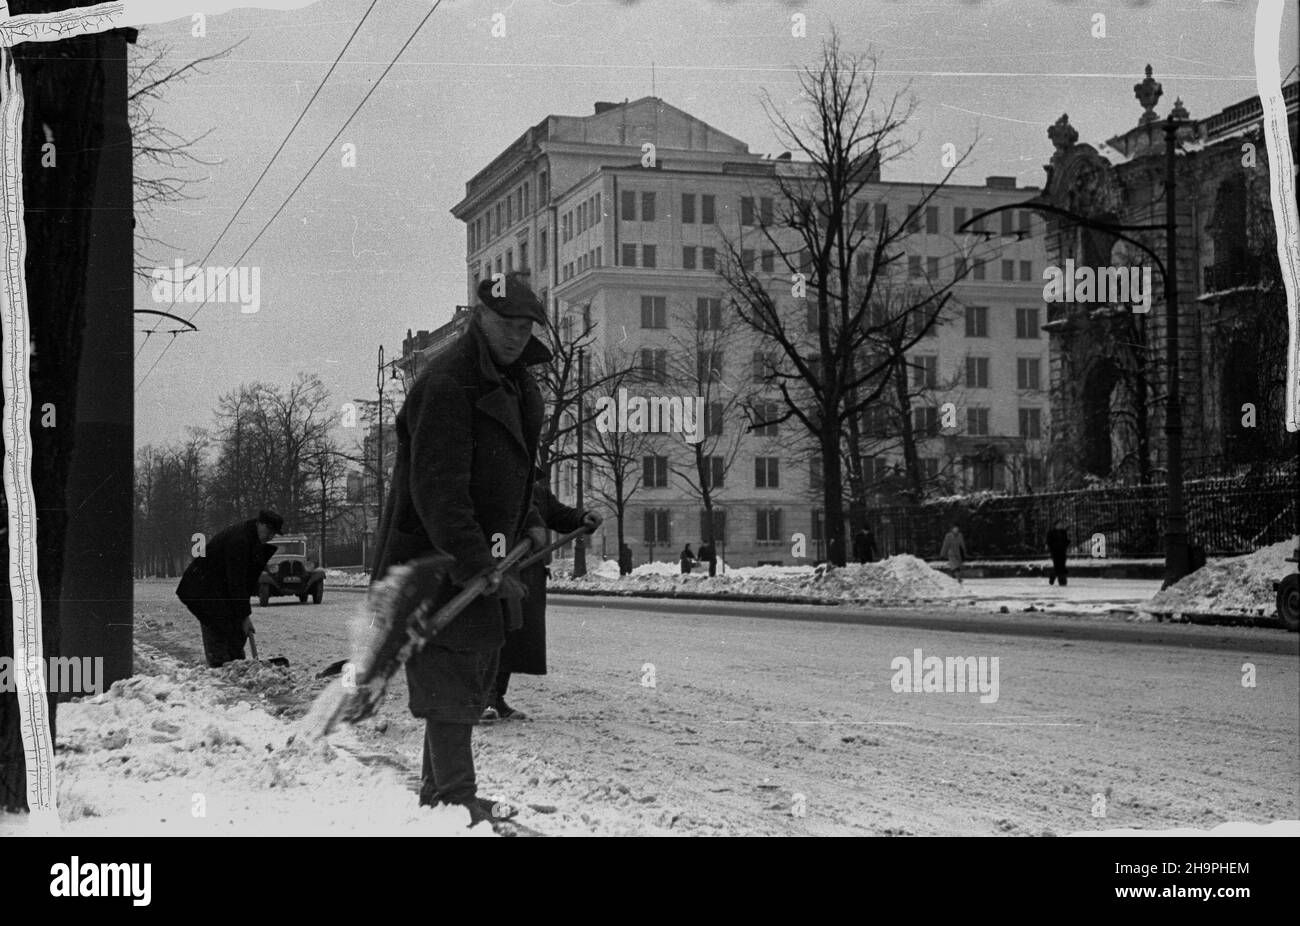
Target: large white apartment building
[(625, 216)]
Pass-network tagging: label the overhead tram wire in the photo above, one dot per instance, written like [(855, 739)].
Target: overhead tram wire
[(267, 168), (324, 151)]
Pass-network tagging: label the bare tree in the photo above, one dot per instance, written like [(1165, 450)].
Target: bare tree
[(615, 456), (839, 260)]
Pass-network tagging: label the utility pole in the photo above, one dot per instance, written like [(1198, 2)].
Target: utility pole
[(580, 543), (1176, 551), (379, 457)]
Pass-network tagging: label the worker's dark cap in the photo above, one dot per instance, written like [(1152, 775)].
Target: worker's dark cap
[(270, 519), (511, 296)]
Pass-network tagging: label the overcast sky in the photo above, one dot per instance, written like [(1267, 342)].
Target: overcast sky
[(360, 255)]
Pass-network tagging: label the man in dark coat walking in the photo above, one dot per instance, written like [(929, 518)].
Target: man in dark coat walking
[(216, 586), (524, 652), (709, 555), (1058, 544), (462, 486)]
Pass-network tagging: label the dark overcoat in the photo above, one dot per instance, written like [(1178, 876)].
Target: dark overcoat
[(525, 648), (217, 585), (463, 473)]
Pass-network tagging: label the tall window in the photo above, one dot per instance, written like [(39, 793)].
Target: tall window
[(656, 526), (647, 207), (713, 419), (1008, 218), (1026, 271), (925, 421), (708, 314), (767, 262), (627, 212), (768, 528), (925, 372), (816, 476), (706, 208), (648, 256), (882, 215), (914, 266), (1026, 222), (977, 321), (719, 525), (654, 312), (979, 270), (708, 366), (746, 210), (1027, 372), (629, 255), (714, 472), (523, 255), (708, 258), (688, 258), (932, 267), (762, 367), (654, 365), (541, 249), (654, 472), (931, 220), (767, 473), (977, 372), (1027, 323), (977, 422), (1008, 266), (688, 208), (958, 217), (765, 210), (766, 415), (747, 258), (1031, 423)]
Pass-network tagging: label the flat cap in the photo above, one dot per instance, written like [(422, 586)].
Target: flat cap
[(271, 519), (512, 298)]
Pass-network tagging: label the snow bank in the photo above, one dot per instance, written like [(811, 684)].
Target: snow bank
[(347, 579), (899, 579), (1240, 585), (166, 752)]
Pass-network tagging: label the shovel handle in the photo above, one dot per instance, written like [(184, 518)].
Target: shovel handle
[(252, 645)]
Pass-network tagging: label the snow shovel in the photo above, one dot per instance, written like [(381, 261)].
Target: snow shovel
[(399, 625), (273, 661)]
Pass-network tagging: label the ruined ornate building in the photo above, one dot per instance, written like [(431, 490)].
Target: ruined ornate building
[(1108, 369)]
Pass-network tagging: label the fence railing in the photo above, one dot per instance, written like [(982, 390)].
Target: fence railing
[(1226, 516)]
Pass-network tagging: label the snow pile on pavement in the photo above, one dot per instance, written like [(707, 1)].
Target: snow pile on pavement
[(165, 752), (899, 579), (1240, 585), (347, 579)]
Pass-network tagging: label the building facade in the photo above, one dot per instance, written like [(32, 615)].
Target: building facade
[(626, 217), (1109, 373)]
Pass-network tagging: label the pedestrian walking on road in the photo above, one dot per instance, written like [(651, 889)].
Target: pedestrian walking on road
[(687, 560), (954, 550), (524, 652), (466, 445), (625, 560), (216, 586), (1058, 542), (709, 555), (864, 546)]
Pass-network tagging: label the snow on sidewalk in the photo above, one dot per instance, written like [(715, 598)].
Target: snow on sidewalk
[(166, 753), (1241, 585)]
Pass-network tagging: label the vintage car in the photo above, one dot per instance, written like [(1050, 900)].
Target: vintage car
[(1288, 596), (290, 573)]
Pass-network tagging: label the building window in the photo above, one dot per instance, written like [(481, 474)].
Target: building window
[(523, 255), (932, 267), (708, 258), (1031, 423), (654, 365), (984, 474), (746, 210), (654, 312), (1008, 267), (762, 367), (767, 473), (706, 208), (977, 372), (979, 269), (861, 215), (977, 321), (629, 255), (1008, 218), (811, 317), (688, 258), (1026, 271), (875, 421), (719, 534), (510, 212), (708, 367), (766, 415), (654, 472), (978, 224), (914, 267), (656, 526), (510, 260), (958, 218), (960, 267), (1034, 473), (713, 419), (925, 372), (708, 314), (582, 217), (647, 207), (977, 422), (1027, 369), (648, 255), (765, 210), (747, 259), (541, 249), (714, 472), (498, 263), (925, 421), (768, 529), (931, 220), (688, 208), (882, 215), (768, 261), (628, 211), (1027, 323), (1026, 222), (914, 219)]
